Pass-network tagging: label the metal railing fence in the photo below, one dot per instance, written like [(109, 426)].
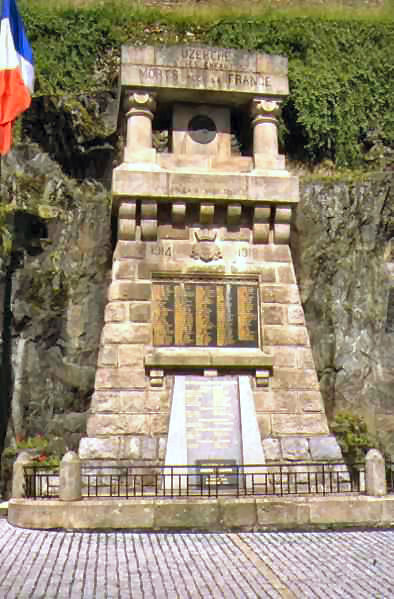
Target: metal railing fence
[(193, 481), (41, 482)]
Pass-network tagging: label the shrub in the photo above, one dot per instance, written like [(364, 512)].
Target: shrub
[(352, 435)]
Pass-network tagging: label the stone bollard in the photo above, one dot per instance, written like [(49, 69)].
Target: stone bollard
[(375, 473), (70, 477), (18, 475)]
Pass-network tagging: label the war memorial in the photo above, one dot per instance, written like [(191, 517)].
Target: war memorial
[(205, 369), (204, 353)]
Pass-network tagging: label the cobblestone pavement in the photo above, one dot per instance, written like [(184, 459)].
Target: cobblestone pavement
[(43, 565)]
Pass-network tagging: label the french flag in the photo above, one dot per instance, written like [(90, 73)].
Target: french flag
[(16, 71)]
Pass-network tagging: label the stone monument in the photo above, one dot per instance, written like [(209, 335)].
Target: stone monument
[(205, 356)]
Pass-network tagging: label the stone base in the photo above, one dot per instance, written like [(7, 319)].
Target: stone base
[(295, 449), (269, 163), (122, 447), (147, 155), (250, 514)]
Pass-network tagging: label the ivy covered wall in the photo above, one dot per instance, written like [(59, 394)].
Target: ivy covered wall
[(341, 70)]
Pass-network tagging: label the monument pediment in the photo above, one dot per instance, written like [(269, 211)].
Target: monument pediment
[(194, 111), (218, 75)]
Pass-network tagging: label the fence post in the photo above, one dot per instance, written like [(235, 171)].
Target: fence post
[(375, 474), (18, 475), (70, 477)]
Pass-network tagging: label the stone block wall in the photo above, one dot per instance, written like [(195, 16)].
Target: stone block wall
[(130, 408)]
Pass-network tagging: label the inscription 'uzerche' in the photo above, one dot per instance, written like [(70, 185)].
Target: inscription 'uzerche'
[(205, 314), (208, 57)]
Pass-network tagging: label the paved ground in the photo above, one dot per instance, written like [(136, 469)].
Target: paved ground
[(39, 564)]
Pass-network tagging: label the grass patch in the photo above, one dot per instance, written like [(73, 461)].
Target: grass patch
[(206, 11)]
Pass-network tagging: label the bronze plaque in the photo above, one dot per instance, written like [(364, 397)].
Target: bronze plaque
[(213, 429), (205, 314), (163, 317), (215, 473)]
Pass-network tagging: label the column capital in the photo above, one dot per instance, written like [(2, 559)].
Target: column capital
[(140, 103), (264, 109)]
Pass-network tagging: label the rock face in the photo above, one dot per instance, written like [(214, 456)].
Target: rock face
[(57, 274), (54, 315), (344, 265)]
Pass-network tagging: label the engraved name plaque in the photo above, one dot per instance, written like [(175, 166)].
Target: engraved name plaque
[(215, 473), (213, 429), (205, 314)]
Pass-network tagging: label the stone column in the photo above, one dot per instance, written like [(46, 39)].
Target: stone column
[(265, 134), (70, 477), (18, 475), (375, 473), (139, 113)]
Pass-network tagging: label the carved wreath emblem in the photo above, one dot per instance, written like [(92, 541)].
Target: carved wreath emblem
[(206, 251)]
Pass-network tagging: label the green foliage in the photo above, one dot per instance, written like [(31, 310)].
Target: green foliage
[(37, 442), (341, 77), (341, 71), (40, 445), (66, 45), (9, 452), (74, 46), (352, 435), (5, 230), (5, 238), (44, 461)]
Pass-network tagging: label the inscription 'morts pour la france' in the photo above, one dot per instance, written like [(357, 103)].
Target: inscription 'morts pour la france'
[(205, 314), (200, 78)]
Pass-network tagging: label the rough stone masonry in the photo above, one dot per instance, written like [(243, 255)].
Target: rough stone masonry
[(203, 285)]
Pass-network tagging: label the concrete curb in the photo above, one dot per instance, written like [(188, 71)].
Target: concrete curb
[(248, 514)]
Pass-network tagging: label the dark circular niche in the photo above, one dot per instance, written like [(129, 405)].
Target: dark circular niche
[(202, 129)]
